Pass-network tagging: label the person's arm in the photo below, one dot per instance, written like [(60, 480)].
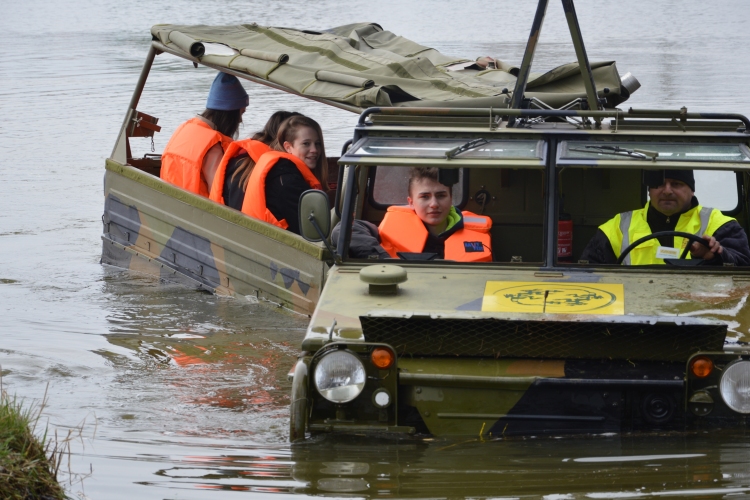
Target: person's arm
[(599, 250), (284, 185), (728, 245), (211, 164), (365, 241)]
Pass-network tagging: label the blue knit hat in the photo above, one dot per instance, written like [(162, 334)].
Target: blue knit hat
[(227, 93)]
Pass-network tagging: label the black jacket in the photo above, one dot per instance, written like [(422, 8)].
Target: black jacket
[(284, 185), (234, 194)]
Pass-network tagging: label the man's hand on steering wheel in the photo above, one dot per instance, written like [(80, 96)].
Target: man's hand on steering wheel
[(705, 241), (699, 251)]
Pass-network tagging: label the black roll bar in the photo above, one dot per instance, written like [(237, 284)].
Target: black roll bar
[(340, 180)]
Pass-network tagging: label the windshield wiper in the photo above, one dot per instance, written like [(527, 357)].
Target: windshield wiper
[(452, 153), (641, 154)]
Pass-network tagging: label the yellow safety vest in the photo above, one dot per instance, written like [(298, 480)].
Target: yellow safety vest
[(627, 227)]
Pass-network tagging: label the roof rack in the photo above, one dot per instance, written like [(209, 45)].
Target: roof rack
[(633, 118)]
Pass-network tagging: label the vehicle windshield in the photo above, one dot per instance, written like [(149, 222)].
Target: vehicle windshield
[(505, 206), (437, 149), (661, 152), (505, 183)]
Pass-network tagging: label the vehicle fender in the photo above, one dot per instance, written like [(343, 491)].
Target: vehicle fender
[(298, 408)]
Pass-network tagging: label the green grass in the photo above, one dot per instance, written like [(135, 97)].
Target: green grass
[(28, 465)]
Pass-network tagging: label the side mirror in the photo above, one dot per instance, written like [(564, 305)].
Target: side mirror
[(314, 215)]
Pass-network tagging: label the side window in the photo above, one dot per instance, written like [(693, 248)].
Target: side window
[(389, 187), (716, 189)]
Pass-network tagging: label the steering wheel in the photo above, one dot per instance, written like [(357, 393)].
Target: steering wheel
[(651, 236)]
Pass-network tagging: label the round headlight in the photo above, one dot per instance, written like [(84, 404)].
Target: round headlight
[(340, 376), (735, 386)]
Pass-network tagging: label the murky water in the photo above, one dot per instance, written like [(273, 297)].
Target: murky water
[(181, 394)]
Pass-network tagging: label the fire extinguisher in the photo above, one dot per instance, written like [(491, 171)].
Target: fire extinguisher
[(565, 238)]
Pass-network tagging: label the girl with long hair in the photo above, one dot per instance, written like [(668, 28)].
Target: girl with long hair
[(231, 181), (298, 163)]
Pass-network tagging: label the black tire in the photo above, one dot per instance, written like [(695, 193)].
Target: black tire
[(298, 408)]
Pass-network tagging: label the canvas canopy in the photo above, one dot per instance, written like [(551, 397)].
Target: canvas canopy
[(361, 65)]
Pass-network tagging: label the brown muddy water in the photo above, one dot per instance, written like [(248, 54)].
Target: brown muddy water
[(181, 394)]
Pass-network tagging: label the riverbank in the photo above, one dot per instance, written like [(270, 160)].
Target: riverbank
[(28, 465)]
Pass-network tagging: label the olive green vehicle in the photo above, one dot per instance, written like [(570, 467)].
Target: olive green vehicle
[(534, 342)]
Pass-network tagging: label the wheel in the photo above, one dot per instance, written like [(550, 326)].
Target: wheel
[(651, 236), (298, 407)]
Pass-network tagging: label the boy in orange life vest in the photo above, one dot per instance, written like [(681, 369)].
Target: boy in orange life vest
[(430, 223), (194, 151)]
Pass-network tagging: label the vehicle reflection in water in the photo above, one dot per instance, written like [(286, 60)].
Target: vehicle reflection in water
[(627, 467), (219, 354), (218, 371)]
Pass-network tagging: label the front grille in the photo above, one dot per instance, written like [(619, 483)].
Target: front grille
[(636, 339)]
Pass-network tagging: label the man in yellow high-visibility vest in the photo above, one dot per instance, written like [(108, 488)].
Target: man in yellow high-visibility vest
[(672, 206)]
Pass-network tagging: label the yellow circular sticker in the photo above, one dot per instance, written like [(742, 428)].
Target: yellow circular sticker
[(559, 298)]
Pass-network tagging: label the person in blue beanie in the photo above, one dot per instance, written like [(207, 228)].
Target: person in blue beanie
[(194, 151)]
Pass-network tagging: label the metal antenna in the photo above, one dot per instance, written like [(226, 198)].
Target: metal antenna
[(583, 58), (528, 56)]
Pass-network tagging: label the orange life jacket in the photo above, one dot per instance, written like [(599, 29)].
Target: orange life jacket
[(254, 148), (403, 231), (254, 204), (182, 159)]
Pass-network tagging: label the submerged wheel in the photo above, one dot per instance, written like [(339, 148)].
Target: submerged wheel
[(298, 408)]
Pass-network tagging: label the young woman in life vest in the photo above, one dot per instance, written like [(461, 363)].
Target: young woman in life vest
[(197, 146), (430, 223), (296, 164), (240, 158)]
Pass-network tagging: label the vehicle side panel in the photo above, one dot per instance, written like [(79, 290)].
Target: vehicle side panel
[(211, 246)]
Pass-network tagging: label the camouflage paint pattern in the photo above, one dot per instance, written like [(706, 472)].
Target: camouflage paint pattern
[(155, 228)]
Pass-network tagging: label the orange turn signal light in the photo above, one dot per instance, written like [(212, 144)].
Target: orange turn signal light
[(701, 366), (382, 357)]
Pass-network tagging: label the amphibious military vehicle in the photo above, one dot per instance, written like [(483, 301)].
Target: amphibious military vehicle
[(534, 342)]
